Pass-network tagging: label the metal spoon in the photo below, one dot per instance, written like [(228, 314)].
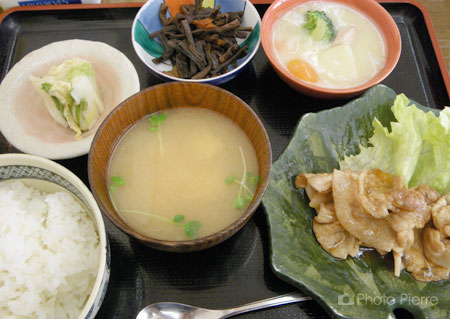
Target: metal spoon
[(173, 310)]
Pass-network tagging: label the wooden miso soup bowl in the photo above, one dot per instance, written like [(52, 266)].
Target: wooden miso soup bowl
[(166, 96)]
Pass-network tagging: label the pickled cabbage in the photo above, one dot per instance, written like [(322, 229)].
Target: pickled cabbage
[(71, 94)]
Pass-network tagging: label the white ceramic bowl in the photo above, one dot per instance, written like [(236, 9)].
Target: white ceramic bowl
[(48, 176), (147, 21)]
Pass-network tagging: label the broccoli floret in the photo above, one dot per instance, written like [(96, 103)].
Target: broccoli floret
[(319, 26)]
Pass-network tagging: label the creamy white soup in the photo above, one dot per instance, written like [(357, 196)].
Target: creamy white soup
[(342, 52)]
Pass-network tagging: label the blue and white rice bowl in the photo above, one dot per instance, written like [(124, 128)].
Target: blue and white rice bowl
[(50, 177), (147, 21)]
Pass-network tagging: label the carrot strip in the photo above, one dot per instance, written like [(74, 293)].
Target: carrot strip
[(175, 5), (204, 23)]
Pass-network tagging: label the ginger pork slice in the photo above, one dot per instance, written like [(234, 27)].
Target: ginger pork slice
[(373, 191), (418, 265), (325, 214), (335, 240), (331, 235), (371, 231), (410, 211), (436, 240), (441, 215), (430, 194), (317, 187), (328, 231), (319, 182), (436, 248)]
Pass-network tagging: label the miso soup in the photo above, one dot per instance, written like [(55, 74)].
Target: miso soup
[(182, 174), (329, 45)]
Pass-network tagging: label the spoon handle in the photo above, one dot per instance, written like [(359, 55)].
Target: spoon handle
[(271, 302)]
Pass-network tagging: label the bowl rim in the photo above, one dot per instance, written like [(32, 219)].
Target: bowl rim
[(94, 212), (266, 31), (221, 78), (180, 246)]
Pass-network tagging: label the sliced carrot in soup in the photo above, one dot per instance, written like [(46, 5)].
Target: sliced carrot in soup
[(302, 70)]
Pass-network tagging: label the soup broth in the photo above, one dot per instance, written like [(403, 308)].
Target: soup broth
[(178, 175), (354, 56)]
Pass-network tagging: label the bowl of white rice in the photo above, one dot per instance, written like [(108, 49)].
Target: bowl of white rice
[(54, 253)]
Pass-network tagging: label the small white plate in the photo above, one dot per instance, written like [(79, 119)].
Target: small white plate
[(24, 119)]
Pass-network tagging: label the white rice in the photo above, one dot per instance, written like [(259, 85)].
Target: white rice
[(49, 253)]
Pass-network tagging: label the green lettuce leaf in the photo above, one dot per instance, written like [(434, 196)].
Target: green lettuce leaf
[(417, 147), (433, 167)]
